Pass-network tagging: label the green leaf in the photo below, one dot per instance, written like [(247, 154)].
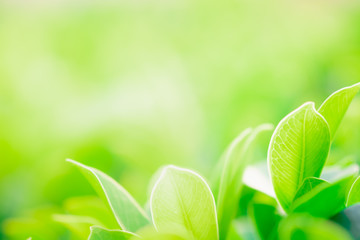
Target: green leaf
[(78, 225), (91, 206), (266, 220), (309, 184), (150, 233), (349, 219), (324, 200), (242, 228), (182, 200), (36, 223), (236, 159), (99, 233), (334, 107), (129, 215), (298, 149), (300, 227), (354, 193)]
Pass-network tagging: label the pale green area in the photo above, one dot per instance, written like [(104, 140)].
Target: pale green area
[(298, 149), (129, 86), (98, 233), (334, 108), (300, 227), (354, 193), (79, 226), (181, 200), (236, 158), (149, 233), (127, 212)]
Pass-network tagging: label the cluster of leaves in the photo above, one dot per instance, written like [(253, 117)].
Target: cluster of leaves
[(300, 199)]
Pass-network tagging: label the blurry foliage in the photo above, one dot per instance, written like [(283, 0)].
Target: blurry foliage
[(132, 85)]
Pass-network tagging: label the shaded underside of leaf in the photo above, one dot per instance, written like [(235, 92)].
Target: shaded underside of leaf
[(129, 215), (181, 200), (236, 160), (335, 106), (298, 149)]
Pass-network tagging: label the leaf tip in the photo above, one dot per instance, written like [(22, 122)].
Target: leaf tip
[(74, 162), (70, 160)]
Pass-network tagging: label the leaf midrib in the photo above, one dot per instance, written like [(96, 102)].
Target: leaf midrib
[(302, 162), (186, 218)]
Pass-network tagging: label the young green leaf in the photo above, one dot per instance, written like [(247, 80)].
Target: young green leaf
[(349, 219), (298, 227), (309, 184), (91, 206), (334, 107), (266, 220), (129, 215), (150, 233), (325, 199), (78, 225), (182, 200), (298, 149), (354, 193), (99, 233), (236, 160)]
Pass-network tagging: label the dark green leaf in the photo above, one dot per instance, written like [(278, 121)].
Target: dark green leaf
[(266, 220)]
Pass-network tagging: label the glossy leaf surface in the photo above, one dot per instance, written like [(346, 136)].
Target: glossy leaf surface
[(298, 149), (181, 200)]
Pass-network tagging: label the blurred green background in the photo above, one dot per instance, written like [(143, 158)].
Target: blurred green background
[(128, 86)]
